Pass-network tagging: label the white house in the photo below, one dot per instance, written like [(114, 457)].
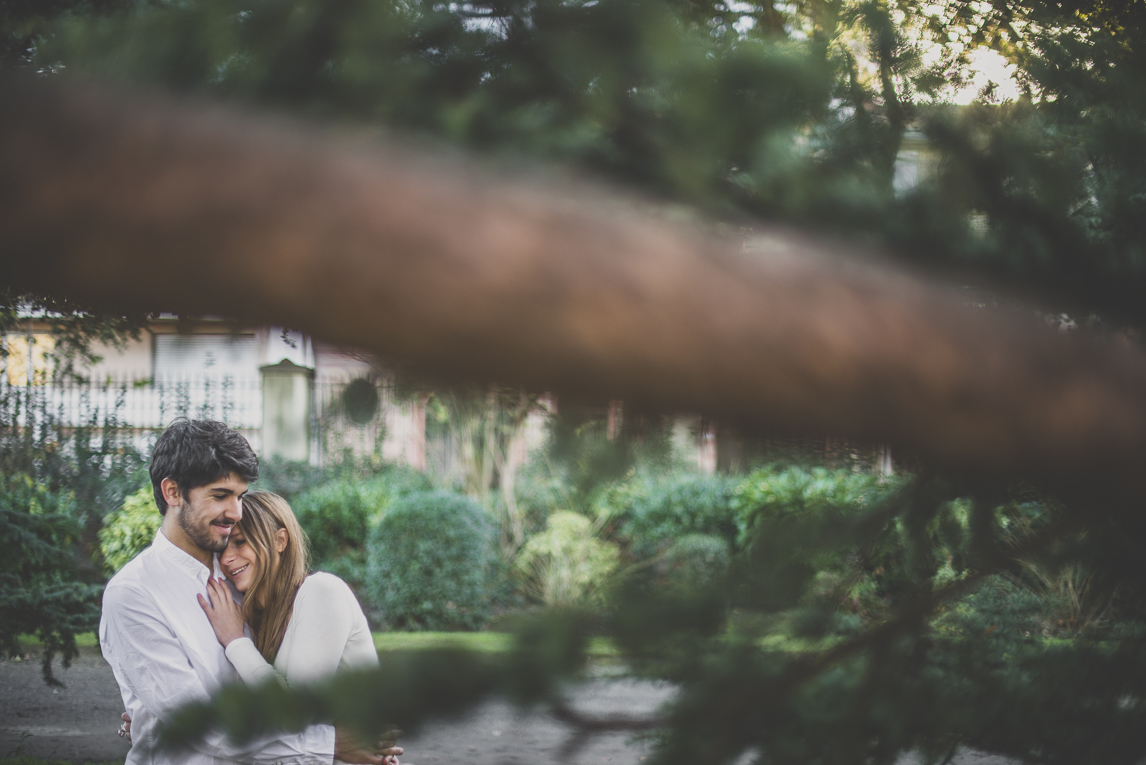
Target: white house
[(279, 387)]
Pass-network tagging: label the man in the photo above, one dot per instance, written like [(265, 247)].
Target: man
[(153, 632)]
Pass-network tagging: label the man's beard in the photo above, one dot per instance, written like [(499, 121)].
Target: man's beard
[(201, 536)]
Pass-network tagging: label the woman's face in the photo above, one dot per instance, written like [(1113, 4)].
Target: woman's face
[(239, 561)]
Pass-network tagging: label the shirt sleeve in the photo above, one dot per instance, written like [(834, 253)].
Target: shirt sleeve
[(154, 664), (323, 618)]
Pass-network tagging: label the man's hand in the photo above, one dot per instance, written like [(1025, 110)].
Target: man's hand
[(348, 749), (222, 611), (125, 729)]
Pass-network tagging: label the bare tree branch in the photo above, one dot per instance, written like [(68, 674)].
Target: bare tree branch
[(456, 271)]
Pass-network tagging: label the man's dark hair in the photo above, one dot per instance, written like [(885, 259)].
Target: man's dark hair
[(195, 453)]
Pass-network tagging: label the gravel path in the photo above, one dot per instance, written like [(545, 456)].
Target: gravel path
[(78, 722)]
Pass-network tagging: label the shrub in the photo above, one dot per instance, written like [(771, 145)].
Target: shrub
[(696, 561), (797, 534), (999, 608), (566, 564), (685, 504), (337, 515), (128, 530), (429, 562), (539, 491), (799, 494)]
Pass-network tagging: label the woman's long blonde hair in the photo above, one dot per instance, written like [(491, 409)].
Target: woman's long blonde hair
[(269, 601)]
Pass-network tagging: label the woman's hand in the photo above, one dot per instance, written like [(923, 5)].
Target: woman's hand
[(348, 748), (222, 611), (125, 728)]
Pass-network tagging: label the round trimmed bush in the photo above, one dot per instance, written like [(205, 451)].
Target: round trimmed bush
[(429, 562)]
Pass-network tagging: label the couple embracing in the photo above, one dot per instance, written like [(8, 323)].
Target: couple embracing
[(174, 634)]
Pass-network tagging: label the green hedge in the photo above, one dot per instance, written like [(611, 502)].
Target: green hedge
[(430, 561)]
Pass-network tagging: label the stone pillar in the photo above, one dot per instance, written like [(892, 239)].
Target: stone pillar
[(286, 410)]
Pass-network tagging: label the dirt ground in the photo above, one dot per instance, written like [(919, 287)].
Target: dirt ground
[(78, 723)]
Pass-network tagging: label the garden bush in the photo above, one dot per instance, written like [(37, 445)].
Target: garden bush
[(430, 561), (796, 533), (128, 530), (998, 607), (802, 493), (567, 564), (651, 518), (696, 561), (337, 515)]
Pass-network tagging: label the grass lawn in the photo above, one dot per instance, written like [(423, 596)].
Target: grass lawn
[(83, 640), (486, 642)]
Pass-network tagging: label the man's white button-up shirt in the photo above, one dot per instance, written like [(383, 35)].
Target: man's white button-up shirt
[(164, 654)]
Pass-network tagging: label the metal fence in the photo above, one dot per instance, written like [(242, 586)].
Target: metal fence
[(137, 406), (138, 409)]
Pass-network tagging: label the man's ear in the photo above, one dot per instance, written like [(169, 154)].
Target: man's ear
[(171, 493), (281, 539)]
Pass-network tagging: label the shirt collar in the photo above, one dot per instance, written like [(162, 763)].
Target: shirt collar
[(183, 560)]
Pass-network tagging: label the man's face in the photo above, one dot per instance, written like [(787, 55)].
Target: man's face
[(209, 512)]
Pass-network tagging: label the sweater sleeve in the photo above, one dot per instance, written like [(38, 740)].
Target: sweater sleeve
[(324, 612), (250, 664)]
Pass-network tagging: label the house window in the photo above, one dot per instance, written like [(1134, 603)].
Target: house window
[(211, 355), (28, 358)]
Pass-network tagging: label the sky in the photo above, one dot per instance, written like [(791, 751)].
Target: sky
[(987, 65)]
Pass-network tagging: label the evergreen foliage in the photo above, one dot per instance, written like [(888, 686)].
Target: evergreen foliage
[(39, 591), (56, 485), (697, 561)]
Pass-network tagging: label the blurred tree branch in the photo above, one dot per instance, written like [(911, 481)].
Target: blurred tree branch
[(148, 204)]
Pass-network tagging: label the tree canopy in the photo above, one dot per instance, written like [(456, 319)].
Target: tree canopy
[(771, 111)]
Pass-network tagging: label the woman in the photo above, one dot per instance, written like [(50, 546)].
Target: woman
[(303, 628)]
